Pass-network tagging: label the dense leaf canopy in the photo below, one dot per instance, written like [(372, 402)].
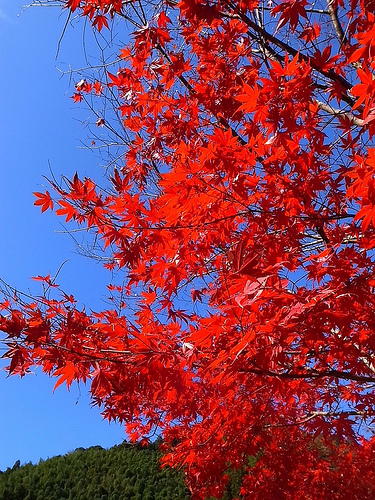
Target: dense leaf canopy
[(237, 216)]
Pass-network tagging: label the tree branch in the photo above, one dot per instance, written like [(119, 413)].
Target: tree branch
[(338, 112), (336, 23), (313, 374), (290, 50)]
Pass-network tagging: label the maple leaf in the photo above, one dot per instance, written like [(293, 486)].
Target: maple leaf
[(197, 295), (67, 209), (44, 200), (163, 20), (290, 10), (81, 85), (100, 21), (47, 278), (73, 4), (20, 361), (310, 32), (67, 374), (249, 98), (364, 90), (14, 324), (98, 87), (324, 60), (100, 385), (77, 97), (365, 49)]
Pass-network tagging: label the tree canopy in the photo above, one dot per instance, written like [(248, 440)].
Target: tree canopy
[(236, 218)]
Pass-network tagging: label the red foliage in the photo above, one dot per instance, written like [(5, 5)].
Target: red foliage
[(241, 224)]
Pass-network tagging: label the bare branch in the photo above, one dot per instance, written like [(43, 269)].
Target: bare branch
[(336, 23), (338, 112)]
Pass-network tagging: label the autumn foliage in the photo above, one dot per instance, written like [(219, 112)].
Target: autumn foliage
[(238, 222)]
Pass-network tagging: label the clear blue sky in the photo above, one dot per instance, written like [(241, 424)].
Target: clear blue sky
[(40, 124)]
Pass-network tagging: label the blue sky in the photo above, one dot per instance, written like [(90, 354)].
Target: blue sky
[(40, 125)]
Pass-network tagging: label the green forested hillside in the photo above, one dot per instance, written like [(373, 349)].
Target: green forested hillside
[(122, 472)]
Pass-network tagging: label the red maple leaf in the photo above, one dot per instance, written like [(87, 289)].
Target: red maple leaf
[(44, 200), (66, 209), (99, 21), (73, 4), (290, 10)]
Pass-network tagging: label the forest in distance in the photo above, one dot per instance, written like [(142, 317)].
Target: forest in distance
[(123, 472), (235, 216)]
